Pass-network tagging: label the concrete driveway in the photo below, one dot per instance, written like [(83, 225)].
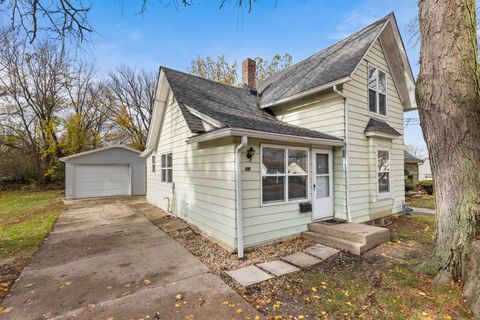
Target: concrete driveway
[(105, 260)]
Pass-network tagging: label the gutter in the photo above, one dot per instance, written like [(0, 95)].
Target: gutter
[(307, 92), (347, 169), (239, 195)]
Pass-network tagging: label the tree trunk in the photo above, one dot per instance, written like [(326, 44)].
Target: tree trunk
[(449, 106)]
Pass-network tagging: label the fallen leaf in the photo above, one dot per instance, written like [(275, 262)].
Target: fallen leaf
[(146, 281), (178, 296), (239, 311), (178, 305), (314, 289)]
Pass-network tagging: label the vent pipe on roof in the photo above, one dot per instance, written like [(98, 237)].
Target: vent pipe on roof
[(249, 75)]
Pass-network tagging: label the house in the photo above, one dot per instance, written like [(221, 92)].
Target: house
[(319, 140), (110, 171), (412, 164), (424, 170)]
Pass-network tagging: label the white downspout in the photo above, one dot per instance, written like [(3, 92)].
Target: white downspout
[(347, 168), (239, 195)]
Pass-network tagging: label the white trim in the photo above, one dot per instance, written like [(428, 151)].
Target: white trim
[(204, 117), (331, 171), (381, 135), (239, 195), (122, 146), (286, 148), (228, 132), (307, 92), (389, 194)]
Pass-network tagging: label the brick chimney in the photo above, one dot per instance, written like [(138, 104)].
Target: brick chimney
[(248, 75)]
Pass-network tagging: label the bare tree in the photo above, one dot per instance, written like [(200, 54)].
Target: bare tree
[(416, 151), (133, 94), (448, 91)]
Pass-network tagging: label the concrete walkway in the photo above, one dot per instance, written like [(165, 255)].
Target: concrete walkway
[(105, 260)]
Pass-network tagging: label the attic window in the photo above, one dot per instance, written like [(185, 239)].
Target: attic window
[(377, 90)]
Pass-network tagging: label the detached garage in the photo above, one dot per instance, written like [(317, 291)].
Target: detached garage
[(111, 171)]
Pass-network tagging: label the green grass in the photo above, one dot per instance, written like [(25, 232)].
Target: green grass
[(422, 203), (26, 218)]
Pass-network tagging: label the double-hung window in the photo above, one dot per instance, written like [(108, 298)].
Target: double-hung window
[(284, 174), (383, 157), (153, 163), (377, 90), (167, 168)]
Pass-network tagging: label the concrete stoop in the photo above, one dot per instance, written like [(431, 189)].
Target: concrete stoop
[(352, 237)]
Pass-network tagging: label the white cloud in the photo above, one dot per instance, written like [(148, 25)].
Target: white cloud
[(353, 21), (135, 36)]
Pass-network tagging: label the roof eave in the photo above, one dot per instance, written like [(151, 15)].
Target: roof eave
[(307, 92), (229, 132), (380, 134), (84, 153)]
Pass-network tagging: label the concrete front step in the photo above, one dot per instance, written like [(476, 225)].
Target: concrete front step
[(354, 232), (352, 237), (341, 244)]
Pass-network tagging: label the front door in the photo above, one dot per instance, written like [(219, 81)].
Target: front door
[(322, 184)]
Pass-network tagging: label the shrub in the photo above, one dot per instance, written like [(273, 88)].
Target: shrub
[(409, 186), (425, 186)]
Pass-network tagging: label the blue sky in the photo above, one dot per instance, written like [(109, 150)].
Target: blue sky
[(174, 36)]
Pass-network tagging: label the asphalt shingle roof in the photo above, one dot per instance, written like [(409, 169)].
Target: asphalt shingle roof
[(333, 63), (408, 157), (380, 126), (231, 106)]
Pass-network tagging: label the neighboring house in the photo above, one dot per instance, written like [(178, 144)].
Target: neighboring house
[(424, 170), (110, 171), (411, 167), (318, 140)]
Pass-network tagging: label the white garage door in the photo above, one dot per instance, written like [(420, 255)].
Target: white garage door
[(101, 180)]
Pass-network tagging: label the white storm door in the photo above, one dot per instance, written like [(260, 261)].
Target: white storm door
[(322, 184)]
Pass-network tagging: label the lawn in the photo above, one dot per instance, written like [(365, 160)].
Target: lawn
[(382, 284), (26, 218), (425, 201)]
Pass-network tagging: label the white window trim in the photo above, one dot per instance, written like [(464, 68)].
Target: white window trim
[(162, 168), (377, 107), (383, 195), (286, 201)]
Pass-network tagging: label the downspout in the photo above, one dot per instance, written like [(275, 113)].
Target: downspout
[(239, 195), (346, 168)]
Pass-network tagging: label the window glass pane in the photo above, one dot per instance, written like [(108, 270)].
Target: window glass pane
[(273, 161), (153, 163), (164, 162), (164, 175), (297, 187), (372, 77), (372, 100), (383, 161), (273, 189), (322, 186), (382, 104), (384, 182), (321, 163), (169, 175), (382, 82), (169, 160), (297, 162)]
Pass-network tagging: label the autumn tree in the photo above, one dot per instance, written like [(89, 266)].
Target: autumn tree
[(220, 70), (448, 94), (133, 98)]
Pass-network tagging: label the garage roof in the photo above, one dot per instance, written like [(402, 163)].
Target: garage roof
[(122, 146)]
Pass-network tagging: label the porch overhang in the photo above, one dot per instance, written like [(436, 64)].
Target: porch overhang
[(235, 132)]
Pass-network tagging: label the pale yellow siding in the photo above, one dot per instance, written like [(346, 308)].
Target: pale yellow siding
[(203, 189), (365, 204), (324, 113)]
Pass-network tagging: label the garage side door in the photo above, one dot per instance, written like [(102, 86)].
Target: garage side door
[(101, 180)]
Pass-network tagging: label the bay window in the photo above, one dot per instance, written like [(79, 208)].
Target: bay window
[(377, 90), (383, 158), (284, 174)]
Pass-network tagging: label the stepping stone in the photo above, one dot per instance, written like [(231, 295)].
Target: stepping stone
[(249, 275), (278, 267), (321, 251), (301, 259)]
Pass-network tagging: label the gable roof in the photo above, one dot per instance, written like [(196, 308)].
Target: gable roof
[(84, 153), (227, 106), (333, 63), (408, 157), (377, 125)]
